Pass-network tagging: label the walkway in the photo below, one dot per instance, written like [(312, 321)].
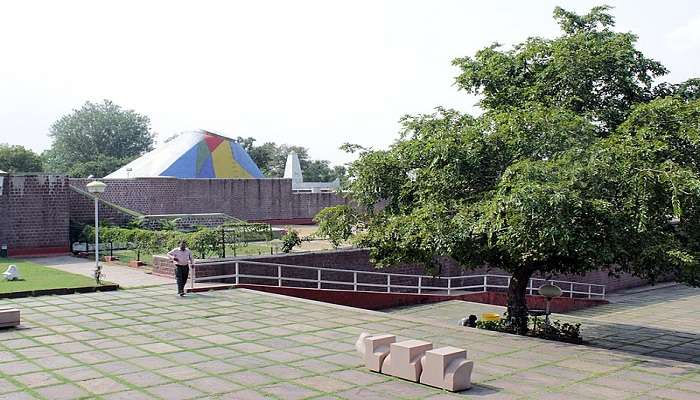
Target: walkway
[(240, 344), (125, 277), (661, 322)]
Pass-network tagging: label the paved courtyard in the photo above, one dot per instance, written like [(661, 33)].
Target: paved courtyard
[(662, 322), (240, 344)]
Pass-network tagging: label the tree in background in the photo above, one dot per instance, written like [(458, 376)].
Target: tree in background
[(590, 70), (578, 162), (19, 159), (97, 139), (271, 158)]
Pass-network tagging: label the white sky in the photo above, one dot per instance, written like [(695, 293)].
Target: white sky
[(310, 73)]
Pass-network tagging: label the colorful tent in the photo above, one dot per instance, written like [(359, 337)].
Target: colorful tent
[(198, 154)]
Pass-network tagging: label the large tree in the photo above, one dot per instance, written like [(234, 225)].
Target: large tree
[(97, 139), (577, 163), (19, 159)]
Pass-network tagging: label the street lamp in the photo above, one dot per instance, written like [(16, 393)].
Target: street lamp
[(97, 188), (549, 291)]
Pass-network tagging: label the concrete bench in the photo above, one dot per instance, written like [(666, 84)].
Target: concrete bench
[(404, 359), (447, 368), (375, 349), (9, 317)]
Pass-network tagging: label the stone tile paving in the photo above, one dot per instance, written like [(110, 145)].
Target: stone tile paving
[(239, 344), (661, 322)]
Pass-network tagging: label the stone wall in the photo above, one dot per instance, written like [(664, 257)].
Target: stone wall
[(246, 199), (34, 214)]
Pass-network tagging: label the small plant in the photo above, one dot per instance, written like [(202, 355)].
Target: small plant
[(490, 325), (290, 240), (556, 330)]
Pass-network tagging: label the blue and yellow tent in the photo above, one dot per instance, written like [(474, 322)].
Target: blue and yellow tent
[(198, 154)]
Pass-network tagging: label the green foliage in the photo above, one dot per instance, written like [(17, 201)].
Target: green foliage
[(556, 330), (498, 325), (290, 240), (590, 70), (336, 223), (97, 139), (271, 158), (15, 159), (577, 163), (204, 242)]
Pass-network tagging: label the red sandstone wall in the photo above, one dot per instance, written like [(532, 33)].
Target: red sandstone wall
[(34, 213)]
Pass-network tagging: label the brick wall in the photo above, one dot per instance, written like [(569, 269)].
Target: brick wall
[(247, 199), (82, 210), (34, 214)]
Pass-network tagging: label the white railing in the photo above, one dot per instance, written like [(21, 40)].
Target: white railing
[(387, 282)]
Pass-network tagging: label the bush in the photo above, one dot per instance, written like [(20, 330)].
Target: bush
[(290, 240), (556, 330)]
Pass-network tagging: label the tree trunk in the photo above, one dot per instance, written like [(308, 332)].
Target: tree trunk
[(517, 304)]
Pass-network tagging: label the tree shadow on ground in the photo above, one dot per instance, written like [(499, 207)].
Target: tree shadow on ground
[(643, 340)]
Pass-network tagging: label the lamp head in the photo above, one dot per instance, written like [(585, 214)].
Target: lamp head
[(96, 187), (550, 291)]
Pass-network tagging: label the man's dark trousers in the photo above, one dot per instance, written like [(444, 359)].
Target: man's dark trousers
[(181, 274)]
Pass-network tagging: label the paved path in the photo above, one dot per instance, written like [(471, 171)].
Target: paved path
[(123, 276), (239, 344), (662, 322)]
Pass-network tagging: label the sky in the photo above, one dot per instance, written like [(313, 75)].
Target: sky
[(310, 73)]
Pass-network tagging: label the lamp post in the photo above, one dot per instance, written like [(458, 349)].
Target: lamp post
[(549, 291), (97, 188)]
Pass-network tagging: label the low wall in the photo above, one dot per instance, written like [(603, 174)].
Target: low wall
[(358, 260), (380, 301)]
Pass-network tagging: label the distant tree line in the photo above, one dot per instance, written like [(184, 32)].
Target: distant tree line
[(271, 158), (100, 138)]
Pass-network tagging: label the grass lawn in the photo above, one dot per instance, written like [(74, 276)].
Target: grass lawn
[(37, 277)]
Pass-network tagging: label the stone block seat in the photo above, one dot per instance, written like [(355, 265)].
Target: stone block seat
[(404, 359), (9, 317), (375, 349), (447, 368)]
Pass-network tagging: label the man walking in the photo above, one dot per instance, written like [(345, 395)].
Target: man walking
[(182, 257)]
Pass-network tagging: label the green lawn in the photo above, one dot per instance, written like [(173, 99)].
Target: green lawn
[(38, 277)]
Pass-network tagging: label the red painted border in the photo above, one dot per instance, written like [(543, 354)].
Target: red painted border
[(37, 251), (290, 221), (379, 301)]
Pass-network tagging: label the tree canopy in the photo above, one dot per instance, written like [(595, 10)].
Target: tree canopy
[(271, 158), (590, 69), (19, 159), (578, 162), (97, 139)]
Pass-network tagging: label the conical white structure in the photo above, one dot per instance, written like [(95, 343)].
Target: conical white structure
[(292, 170)]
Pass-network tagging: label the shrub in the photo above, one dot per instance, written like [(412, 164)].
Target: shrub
[(290, 240)]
